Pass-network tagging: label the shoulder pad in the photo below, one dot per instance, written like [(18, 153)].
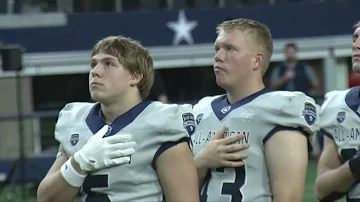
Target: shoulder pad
[(299, 111), (330, 107), (204, 102), (178, 120), (70, 114)]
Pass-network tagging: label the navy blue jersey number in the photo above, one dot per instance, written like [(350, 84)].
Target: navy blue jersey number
[(227, 188), (96, 181)]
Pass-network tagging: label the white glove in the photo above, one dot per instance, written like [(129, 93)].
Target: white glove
[(99, 153)]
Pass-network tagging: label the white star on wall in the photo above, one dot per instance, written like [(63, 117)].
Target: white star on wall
[(182, 28)]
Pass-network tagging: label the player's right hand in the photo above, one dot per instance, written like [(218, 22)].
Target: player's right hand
[(223, 152), (290, 74), (99, 153)]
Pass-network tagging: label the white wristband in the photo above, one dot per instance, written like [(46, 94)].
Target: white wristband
[(70, 175)]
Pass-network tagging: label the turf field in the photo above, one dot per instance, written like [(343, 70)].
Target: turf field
[(308, 195)]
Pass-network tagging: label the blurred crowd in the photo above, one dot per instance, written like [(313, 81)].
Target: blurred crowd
[(80, 6)]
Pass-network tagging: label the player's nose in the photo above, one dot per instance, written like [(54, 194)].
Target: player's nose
[(97, 70), (219, 56)]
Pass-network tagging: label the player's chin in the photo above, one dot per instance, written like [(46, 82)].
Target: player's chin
[(97, 96), (356, 66)]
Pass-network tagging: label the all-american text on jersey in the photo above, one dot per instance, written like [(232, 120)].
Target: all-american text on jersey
[(199, 138)]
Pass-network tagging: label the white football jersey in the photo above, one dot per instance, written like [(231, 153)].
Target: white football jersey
[(258, 117), (340, 121), (154, 127)]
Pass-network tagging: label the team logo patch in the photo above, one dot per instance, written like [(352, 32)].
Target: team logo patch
[(199, 118), (189, 123), (309, 113), (225, 109), (341, 117), (74, 139)]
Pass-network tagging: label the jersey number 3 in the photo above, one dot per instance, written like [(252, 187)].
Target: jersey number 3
[(230, 182), (96, 181)]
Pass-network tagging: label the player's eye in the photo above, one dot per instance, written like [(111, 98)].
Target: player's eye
[(109, 64), (229, 48), (93, 65), (355, 37)]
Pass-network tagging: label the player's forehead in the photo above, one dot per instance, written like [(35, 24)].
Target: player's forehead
[(232, 37), (103, 56)]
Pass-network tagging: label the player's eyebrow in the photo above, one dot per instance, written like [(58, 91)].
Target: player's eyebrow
[(224, 44), (103, 59)]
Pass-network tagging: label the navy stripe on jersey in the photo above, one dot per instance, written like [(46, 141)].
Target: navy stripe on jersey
[(281, 128), (221, 106), (167, 146), (352, 100), (95, 120)]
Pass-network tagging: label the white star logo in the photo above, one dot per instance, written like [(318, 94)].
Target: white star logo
[(182, 29)]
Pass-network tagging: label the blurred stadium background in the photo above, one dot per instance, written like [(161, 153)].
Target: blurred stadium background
[(57, 37)]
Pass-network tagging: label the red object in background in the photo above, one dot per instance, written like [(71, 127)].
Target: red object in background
[(354, 79)]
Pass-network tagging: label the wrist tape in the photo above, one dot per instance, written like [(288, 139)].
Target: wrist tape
[(71, 176)]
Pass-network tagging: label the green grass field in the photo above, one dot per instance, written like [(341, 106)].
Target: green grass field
[(309, 195)]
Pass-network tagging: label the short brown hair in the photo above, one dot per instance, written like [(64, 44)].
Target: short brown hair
[(133, 56), (290, 45), (259, 35)]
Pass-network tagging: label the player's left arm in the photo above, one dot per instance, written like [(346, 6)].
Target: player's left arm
[(177, 173), (286, 154)]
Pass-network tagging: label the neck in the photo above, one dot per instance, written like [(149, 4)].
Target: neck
[(113, 110), (244, 90)]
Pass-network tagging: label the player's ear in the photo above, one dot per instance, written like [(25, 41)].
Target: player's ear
[(258, 61), (135, 79)]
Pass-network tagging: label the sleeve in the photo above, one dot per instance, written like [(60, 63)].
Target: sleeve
[(326, 116), (298, 112), (70, 113), (179, 126), (62, 121)]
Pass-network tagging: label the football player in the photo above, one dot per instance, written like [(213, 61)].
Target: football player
[(339, 163), (122, 148), (262, 154)]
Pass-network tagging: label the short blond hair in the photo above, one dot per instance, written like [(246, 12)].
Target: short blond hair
[(133, 56), (257, 34)]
